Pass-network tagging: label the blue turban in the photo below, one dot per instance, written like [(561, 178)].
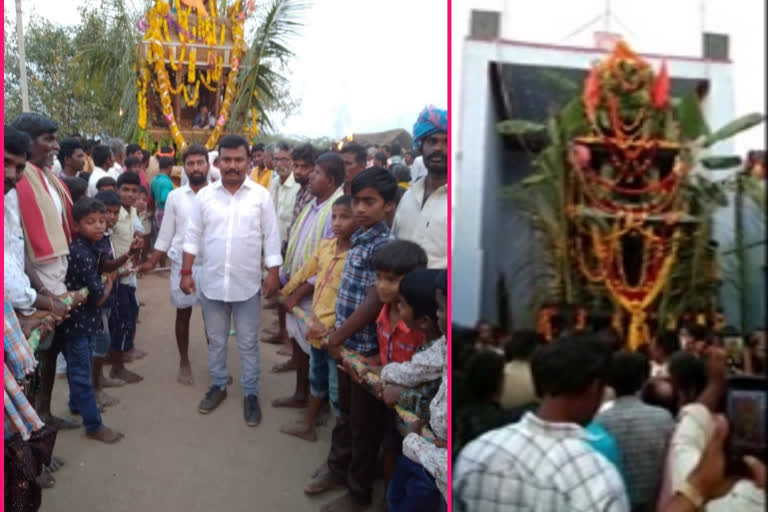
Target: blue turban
[(431, 120)]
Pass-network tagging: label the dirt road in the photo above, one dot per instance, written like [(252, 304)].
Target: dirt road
[(175, 459)]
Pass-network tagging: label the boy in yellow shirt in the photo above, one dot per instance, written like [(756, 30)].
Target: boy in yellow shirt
[(261, 172), (327, 263)]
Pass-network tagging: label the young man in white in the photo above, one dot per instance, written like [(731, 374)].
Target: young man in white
[(178, 206), (231, 222)]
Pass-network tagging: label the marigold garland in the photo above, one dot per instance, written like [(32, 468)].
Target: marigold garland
[(630, 190), (192, 63), (206, 83), (205, 30), (193, 101)]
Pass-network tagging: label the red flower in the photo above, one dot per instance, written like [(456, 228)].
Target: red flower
[(591, 93), (660, 91)]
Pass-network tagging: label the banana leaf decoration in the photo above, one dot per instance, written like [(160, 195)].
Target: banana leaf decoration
[(541, 198)]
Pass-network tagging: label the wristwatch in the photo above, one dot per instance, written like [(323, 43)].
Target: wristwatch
[(689, 491), (187, 272)]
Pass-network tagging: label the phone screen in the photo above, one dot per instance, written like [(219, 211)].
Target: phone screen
[(746, 414), (734, 347)]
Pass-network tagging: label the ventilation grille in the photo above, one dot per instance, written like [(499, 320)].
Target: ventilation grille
[(484, 24)]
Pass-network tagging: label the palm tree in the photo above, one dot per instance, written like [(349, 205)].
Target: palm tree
[(107, 40), (261, 70)]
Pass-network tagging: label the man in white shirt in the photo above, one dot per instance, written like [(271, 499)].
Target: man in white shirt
[(232, 222), (178, 206), (545, 463), (102, 160), (118, 154), (422, 215)]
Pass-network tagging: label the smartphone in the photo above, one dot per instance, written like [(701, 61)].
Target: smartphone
[(734, 349), (745, 399)]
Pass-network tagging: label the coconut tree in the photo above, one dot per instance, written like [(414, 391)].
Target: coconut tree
[(106, 42), (262, 78)]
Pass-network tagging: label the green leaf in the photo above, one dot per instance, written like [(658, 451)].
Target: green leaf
[(267, 53), (559, 81), (691, 119), (534, 179), (734, 127), (721, 162), (573, 118), (519, 127)]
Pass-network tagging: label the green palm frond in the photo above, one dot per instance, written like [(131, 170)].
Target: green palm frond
[(106, 54), (261, 65)]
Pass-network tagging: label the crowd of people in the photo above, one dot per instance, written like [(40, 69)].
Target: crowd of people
[(565, 417), (339, 255)]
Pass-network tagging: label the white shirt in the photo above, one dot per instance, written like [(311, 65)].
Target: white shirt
[(659, 369), (96, 175), (56, 168), (128, 223), (284, 198), (115, 171), (427, 225), (694, 428), (17, 285), (178, 206), (418, 169), (536, 466), (231, 230)]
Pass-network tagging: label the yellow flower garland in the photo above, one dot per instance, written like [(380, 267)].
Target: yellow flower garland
[(192, 102), (192, 63), (142, 97), (206, 28), (206, 83)]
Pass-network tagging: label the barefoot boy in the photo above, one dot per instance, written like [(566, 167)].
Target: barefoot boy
[(352, 460), (108, 264), (85, 321), (327, 263), (122, 322)]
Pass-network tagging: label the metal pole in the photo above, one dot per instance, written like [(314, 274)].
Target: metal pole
[(22, 59)]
